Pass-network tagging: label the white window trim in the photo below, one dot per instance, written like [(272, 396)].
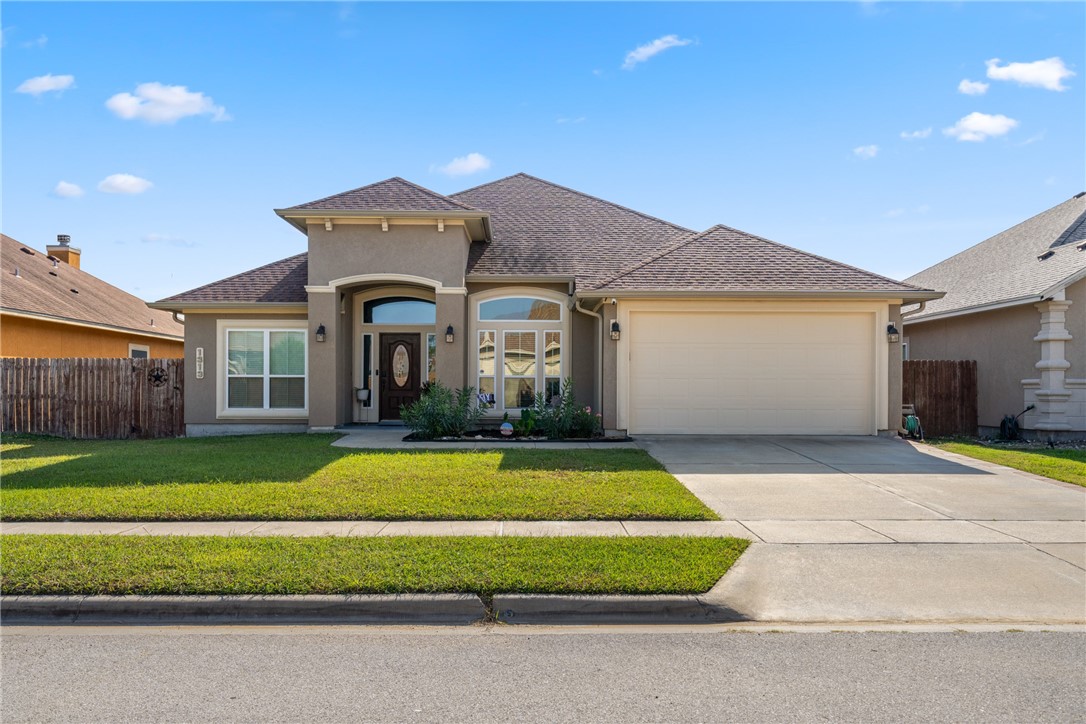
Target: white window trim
[(225, 326), (132, 347), (499, 327)]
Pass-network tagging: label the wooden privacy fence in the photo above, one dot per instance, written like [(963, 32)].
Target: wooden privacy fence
[(944, 393), (93, 398)]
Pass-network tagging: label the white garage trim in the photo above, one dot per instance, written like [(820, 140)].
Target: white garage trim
[(877, 314)]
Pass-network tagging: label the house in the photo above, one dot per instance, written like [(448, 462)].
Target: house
[(49, 307), (516, 285), (1016, 303)]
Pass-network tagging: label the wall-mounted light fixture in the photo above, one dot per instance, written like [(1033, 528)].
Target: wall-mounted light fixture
[(892, 335), (616, 332), (449, 337), (320, 333)]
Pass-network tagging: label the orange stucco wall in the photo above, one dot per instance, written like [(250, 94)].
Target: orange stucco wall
[(25, 337)]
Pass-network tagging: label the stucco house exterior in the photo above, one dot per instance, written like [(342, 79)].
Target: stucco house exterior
[(1015, 303), (516, 285), (49, 307)]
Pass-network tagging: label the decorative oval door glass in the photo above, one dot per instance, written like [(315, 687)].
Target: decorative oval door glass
[(401, 365)]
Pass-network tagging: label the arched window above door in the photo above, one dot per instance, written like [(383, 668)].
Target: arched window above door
[(399, 310)]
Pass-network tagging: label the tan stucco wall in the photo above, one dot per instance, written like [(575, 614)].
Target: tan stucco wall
[(1001, 341), (1076, 325), (417, 250), (200, 401), (894, 374), (26, 337)]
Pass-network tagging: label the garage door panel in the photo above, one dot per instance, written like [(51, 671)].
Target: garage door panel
[(751, 373)]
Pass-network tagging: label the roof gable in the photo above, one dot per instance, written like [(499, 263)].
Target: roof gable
[(45, 290), (1021, 263), (394, 194), (726, 260)]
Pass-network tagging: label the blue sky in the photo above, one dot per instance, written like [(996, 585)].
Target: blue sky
[(785, 120)]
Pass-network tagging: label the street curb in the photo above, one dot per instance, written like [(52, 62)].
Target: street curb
[(543, 609), (438, 609)]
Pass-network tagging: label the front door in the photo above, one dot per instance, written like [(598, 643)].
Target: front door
[(399, 373)]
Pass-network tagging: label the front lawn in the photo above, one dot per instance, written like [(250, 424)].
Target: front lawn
[(301, 477), (1066, 464), (110, 565)]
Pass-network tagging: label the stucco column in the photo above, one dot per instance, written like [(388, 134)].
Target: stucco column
[(323, 407), (453, 358), (609, 395), (1053, 395)]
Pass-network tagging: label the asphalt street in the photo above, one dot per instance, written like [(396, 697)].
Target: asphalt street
[(481, 674)]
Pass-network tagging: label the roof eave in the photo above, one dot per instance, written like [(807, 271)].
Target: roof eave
[(296, 217), (177, 306), (88, 323)]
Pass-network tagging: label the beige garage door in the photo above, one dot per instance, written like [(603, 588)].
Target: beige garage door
[(751, 373)]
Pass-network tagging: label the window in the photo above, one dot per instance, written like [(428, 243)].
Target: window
[(139, 351), (399, 310), (431, 357), (520, 352), (265, 369), (519, 308)]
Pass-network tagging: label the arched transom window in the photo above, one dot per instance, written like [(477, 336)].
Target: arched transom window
[(519, 350)]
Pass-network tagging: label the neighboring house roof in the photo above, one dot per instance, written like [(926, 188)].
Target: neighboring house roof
[(724, 259), (281, 282), (541, 228), (46, 291), (1020, 265), (394, 194)]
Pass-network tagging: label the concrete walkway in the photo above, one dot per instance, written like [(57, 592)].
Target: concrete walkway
[(868, 529)]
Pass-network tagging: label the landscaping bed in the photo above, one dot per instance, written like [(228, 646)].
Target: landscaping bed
[(110, 565), (495, 435), (302, 477), (1064, 462)]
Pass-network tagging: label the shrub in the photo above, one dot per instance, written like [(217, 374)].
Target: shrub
[(585, 423), (441, 413)]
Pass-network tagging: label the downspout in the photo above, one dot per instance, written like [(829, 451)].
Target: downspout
[(911, 312), (597, 397), (179, 321)]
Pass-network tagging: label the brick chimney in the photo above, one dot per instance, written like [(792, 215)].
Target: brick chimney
[(64, 250)]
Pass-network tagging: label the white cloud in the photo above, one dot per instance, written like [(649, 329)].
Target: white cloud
[(47, 83), (157, 103), (1046, 73), (67, 190), (923, 209), (464, 165), (972, 87), (124, 183), (643, 52), (38, 42), (980, 126), (914, 135), (894, 213), (866, 152), (578, 119), (170, 239)]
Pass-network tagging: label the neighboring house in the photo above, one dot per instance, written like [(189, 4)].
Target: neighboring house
[(512, 287), (1016, 304), (49, 307)]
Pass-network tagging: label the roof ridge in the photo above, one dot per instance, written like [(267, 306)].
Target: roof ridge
[(399, 179), (655, 256), (232, 276), (1065, 238), (580, 193), (1000, 233)]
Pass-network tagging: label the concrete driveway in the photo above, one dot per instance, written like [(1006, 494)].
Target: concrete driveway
[(869, 529)]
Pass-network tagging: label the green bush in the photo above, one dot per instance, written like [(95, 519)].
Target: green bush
[(561, 417), (441, 413)]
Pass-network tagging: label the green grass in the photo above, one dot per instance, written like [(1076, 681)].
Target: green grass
[(1056, 463), (301, 477), (110, 565)]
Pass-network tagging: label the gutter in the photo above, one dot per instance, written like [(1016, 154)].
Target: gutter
[(598, 396), (1017, 301), (91, 325), (918, 295)]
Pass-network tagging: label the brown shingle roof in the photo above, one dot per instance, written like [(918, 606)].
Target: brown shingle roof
[(541, 228), (394, 194), (44, 290), (1007, 266), (281, 281), (723, 259)]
